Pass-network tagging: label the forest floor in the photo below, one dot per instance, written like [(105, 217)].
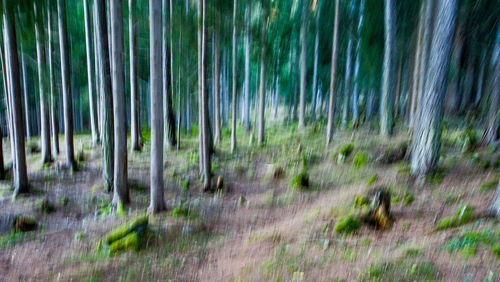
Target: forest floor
[(258, 228)]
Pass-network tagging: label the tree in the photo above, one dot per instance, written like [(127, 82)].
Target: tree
[(25, 93), (303, 64), (12, 60), (495, 203), (156, 170), (262, 86), (90, 75), (234, 81), (216, 83), (42, 78), (66, 84), (106, 95), (492, 132), (53, 99), (314, 89), (427, 138), (135, 129), (387, 104), (333, 71), (121, 194), (246, 83), (167, 76)]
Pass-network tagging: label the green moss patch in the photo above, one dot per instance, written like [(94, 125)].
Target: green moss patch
[(360, 160), (345, 152), (347, 225), (462, 216), (490, 185), (125, 237)]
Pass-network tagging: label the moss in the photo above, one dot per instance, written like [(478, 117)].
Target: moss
[(490, 185), (137, 225), (408, 200), (360, 160), (469, 251), (300, 181), (462, 216), (372, 180), (345, 152), (347, 225), (360, 201), (120, 211), (495, 249), (129, 242), (396, 199), (470, 140)]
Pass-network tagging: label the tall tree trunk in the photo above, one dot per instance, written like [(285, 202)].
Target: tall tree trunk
[(90, 68), (355, 92), (10, 40), (53, 99), (204, 122), (25, 93), (387, 101), (492, 132), (42, 80), (121, 193), (246, 83), (427, 140), (134, 93), (276, 90), (347, 85), (66, 83), (416, 68), (303, 64), (157, 202), (169, 117), (216, 86), (333, 73), (262, 86), (234, 80), (106, 95), (8, 106), (314, 89)]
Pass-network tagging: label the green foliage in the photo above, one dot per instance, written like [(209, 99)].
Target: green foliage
[(44, 206), (360, 160), (462, 216), (408, 200), (129, 242), (347, 225), (411, 252), (63, 201), (300, 181), (401, 270), (496, 250), (372, 180), (490, 185), (360, 201), (23, 224), (345, 152), (183, 210), (120, 211), (137, 225), (470, 140)]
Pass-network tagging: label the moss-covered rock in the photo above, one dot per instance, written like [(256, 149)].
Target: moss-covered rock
[(129, 242), (23, 223), (347, 225), (137, 225)]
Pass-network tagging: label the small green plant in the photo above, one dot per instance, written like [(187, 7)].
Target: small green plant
[(372, 180), (347, 225), (463, 215), (490, 185), (44, 206), (300, 181), (360, 160), (63, 201), (408, 200), (495, 249), (345, 152), (401, 270), (360, 201), (411, 252)]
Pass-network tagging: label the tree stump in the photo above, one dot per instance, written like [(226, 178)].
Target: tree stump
[(379, 209)]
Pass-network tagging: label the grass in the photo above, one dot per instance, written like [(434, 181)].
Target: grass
[(401, 270)]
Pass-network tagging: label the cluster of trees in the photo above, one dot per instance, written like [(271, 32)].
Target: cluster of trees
[(417, 60)]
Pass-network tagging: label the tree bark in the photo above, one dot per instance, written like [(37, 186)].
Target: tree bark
[(303, 64), (204, 122), (53, 99), (10, 41), (25, 93), (42, 81), (333, 73), (216, 86), (347, 85), (246, 83), (387, 101), (168, 113), (418, 60), (106, 95), (234, 81), (262, 86), (427, 140), (355, 92), (314, 89), (492, 132), (134, 93), (90, 75), (157, 202), (66, 84)]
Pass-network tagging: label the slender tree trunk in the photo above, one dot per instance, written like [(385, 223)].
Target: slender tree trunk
[(90, 68), (204, 122), (53, 99), (157, 202), (42, 80), (418, 60), (314, 89), (303, 64), (276, 94), (355, 92), (106, 95), (25, 93), (387, 101), (262, 87), (246, 83), (427, 140), (134, 93), (8, 106), (216, 86), (234, 80), (97, 55), (347, 85), (121, 193), (10, 40), (333, 73), (492, 132), (169, 117), (66, 84)]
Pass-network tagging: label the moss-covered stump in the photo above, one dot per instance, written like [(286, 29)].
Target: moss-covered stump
[(23, 223), (393, 154), (379, 209), (125, 237)]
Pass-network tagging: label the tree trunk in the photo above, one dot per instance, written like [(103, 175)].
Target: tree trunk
[(10, 40), (355, 92), (8, 107), (134, 95), (106, 95), (387, 101), (347, 85), (53, 99), (427, 140), (315, 67), (418, 60), (90, 75), (216, 86), (157, 202), (42, 80), (262, 86), (492, 132), (234, 81), (25, 93), (204, 122), (495, 203), (121, 193), (333, 72), (169, 117), (303, 64), (296, 80), (246, 83), (66, 84)]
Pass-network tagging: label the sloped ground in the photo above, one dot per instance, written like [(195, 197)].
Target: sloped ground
[(258, 228)]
